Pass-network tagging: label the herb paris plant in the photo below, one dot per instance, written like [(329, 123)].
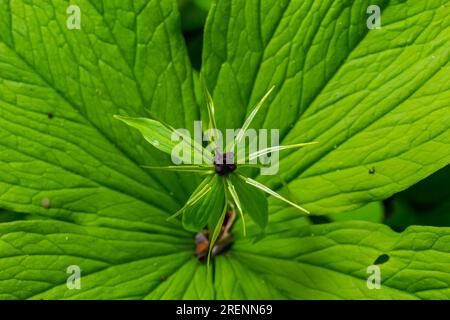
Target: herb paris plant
[(207, 204)]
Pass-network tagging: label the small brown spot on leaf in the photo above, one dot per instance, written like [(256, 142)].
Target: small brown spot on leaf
[(372, 170), (45, 203), (50, 115), (163, 277)]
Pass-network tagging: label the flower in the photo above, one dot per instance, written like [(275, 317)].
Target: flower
[(223, 181)]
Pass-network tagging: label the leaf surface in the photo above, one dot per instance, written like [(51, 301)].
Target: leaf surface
[(197, 216), (372, 98), (253, 201), (73, 190), (327, 261)]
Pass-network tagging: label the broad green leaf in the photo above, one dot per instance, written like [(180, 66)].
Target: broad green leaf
[(237, 202), (83, 160), (197, 216), (156, 133), (319, 262), (115, 264), (253, 201), (160, 136), (372, 98)]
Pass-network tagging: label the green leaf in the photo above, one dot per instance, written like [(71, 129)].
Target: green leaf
[(373, 98), (84, 161), (156, 133), (252, 115), (215, 224), (197, 216), (73, 190), (322, 262), (253, 202)]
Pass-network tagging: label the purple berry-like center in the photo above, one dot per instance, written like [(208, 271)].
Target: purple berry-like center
[(224, 163)]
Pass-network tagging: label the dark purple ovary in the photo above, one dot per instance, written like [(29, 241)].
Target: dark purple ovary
[(224, 163)]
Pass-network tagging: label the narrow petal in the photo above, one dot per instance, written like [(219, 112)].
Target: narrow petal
[(211, 108), (252, 115), (197, 216), (160, 135), (202, 190), (279, 148), (215, 224), (271, 192), (236, 200)]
